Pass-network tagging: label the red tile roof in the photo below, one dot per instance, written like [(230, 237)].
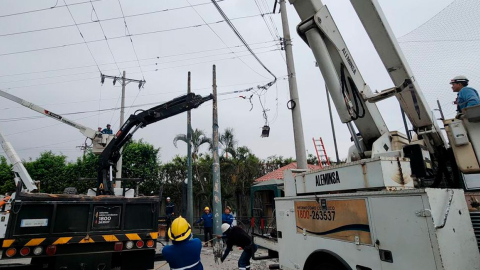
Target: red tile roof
[(278, 174)]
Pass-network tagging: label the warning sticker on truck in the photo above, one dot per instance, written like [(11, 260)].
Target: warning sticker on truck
[(41, 222), (106, 217), (338, 219)]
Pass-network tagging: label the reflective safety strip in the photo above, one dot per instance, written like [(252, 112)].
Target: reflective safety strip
[(133, 236), (62, 240), (7, 243), (154, 235), (186, 267), (110, 238), (34, 242), (86, 240)]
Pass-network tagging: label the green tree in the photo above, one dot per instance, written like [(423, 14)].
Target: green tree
[(6, 177)]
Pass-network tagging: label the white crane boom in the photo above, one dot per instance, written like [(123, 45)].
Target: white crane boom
[(18, 168), (87, 132)]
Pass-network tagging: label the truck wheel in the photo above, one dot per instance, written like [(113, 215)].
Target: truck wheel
[(328, 266)]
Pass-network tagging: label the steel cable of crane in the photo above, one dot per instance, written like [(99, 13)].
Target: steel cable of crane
[(237, 33)]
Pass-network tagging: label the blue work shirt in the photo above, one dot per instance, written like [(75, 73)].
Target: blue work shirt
[(184, 254), (207, 220), (227, 218), (107, 131), (467, 97)]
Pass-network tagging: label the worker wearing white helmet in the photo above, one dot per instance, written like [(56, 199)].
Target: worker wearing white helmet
[(236, 236), (467, 96)]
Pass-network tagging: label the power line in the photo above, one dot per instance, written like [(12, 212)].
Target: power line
[(218, 36), (147, 65), (105, 36), (118, 37), (128, 61), (227, 20), (154, 70), (64, 1), (131, 40), (44, 9)]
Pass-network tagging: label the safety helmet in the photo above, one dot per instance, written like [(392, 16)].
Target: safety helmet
[(459, 79), (179, 230), (225, 227), (206, 208)]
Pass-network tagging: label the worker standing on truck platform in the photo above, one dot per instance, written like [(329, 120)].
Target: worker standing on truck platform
[(184, 254), (207, 218), (107, 130), (236, 236), (170, 213), (227, 217), (467, 96)]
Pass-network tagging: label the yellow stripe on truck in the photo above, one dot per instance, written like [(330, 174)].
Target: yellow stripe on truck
[(154, 235), (35, 242), (133, 236), (62, 240), (86, 240), (110, 238), (7, 243)]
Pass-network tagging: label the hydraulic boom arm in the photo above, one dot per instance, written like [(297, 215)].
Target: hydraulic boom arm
[(19, 170), (87, 132), (111, 154)]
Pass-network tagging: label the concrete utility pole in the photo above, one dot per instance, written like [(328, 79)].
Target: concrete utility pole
[(300, 152), (125, 81), (189, 159), (217, 190)]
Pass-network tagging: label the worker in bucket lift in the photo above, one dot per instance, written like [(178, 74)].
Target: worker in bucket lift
[(184, 253), (107, 130), (207, 219), (467, 96), (236, 236)]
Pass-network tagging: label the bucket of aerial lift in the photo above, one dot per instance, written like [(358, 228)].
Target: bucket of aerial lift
[(460, 138)]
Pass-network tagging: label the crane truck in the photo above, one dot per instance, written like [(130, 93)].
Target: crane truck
[(398, 202), (63, 231)]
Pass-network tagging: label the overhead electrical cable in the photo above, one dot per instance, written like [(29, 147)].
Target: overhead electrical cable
[(84, 41), (237, 33), (44, 9), (143, 59), (218, 36), (118, 37), (105, 36)]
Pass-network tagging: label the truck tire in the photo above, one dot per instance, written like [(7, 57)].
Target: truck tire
[(328, 266)]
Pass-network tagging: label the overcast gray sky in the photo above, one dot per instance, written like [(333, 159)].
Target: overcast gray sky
[(172, 54)]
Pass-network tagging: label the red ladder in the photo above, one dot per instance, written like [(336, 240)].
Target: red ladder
[(321, 152)]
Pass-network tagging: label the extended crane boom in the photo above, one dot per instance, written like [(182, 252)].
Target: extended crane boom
[(19, 170), (99, 140), (111, 154)]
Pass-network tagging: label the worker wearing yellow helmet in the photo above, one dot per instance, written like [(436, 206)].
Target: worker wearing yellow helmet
[(184, 254), (207, 219)]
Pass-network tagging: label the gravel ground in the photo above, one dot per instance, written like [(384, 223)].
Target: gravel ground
[(231, 262)]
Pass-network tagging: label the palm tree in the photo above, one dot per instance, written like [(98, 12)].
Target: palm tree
[(198, 138), (227, 139)]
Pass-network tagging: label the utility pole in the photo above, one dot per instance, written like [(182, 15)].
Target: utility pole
[(300, 152), (189, 159), (217, 190), (125, 81)]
